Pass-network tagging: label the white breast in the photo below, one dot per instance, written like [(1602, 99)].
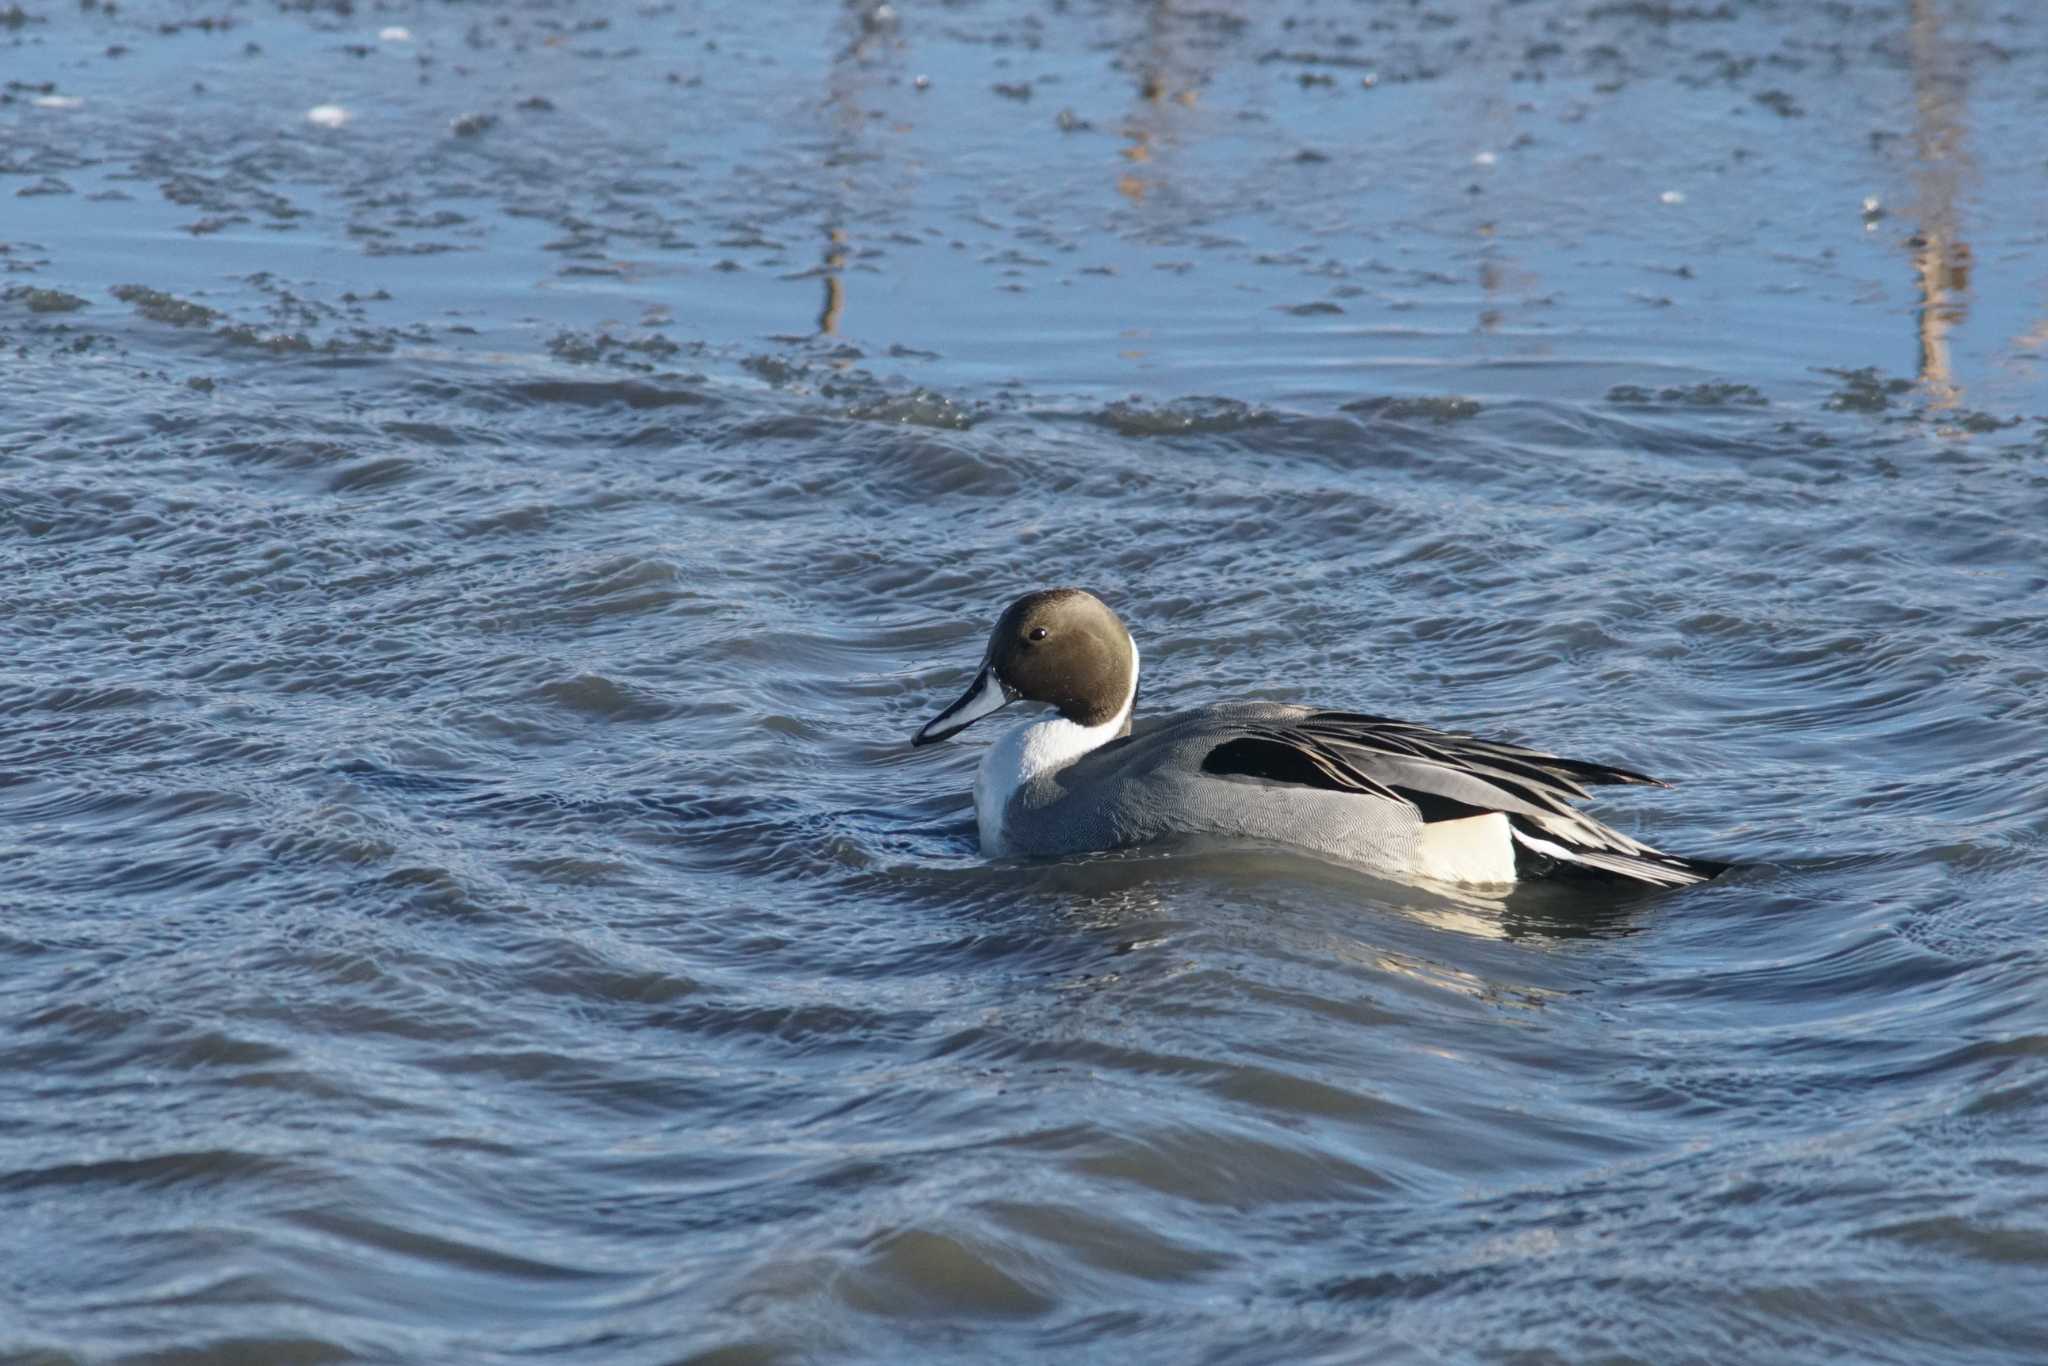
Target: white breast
[(1029, 751), (1033, 750), (1001, 774)]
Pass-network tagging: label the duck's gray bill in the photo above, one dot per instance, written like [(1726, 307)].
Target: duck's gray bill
[(984, 695)]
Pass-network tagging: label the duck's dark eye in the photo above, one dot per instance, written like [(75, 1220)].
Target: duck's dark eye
[(1038, 633)]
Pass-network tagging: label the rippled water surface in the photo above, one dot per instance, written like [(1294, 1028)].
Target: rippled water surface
[(492, 488)]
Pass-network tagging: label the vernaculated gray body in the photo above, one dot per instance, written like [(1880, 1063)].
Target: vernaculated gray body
[(1401, 798), (1150, 787)]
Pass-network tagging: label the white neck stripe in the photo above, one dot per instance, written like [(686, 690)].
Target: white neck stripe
[(1035, 750)]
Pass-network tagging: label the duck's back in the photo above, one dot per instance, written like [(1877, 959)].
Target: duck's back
[(1404, 798), (1227, 771)]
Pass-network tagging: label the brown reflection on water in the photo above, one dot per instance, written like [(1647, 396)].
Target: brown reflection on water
[(835, 282), (869, 32), (1941, 259), (1168, 78)]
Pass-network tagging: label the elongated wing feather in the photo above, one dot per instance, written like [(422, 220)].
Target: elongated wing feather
[(1286, 756), (1380, 732), (1442, 774)]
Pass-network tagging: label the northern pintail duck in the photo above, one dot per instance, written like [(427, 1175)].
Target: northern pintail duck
[(1402, 799)]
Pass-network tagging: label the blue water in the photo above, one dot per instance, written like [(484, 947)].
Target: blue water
[(471, 574)]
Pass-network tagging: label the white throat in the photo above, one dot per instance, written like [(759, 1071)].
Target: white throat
[(1032, 751)]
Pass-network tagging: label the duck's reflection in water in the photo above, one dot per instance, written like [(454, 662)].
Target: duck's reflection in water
[(1179, 902)]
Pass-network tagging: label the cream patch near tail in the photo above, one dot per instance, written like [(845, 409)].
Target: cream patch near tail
[(1475, 849)]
